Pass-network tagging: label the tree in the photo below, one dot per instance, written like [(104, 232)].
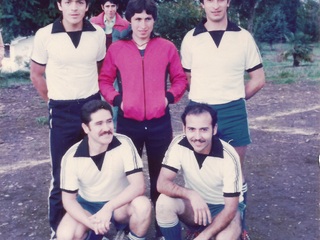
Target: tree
[(176, 19), (309, 19), (300, 50), (271, 26), (23, 18)]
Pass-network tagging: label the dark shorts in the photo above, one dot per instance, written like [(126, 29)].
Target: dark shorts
[(233, 122), (94, 207)]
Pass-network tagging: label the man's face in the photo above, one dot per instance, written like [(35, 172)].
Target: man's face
[(73, 12), (142, 26), (199, 132), (216, 10), (110, 10), (100, 129)]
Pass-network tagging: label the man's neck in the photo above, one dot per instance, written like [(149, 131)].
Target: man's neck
[(216, 26), (141, 43), (72, 27), (109, 19), (95, 149)]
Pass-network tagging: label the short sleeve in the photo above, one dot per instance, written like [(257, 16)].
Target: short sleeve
[(39, 52), (186, 54), (68, 177)]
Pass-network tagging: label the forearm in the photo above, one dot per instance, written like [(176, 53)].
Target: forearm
[(75, 210), (256, 82), (219, 223), (125, 197), (37, 77), (41, 87), (171, 189)]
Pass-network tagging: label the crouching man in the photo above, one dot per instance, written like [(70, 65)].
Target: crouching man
[(210, 203), (102, 180)]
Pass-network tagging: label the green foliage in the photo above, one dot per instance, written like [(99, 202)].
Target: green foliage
[(176, 19), (17, 78), (300, 50), (42, 120), (23, 18), (271, 27), (281, 71), (309, 19)]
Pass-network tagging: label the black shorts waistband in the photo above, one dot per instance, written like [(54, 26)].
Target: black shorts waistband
[(75, 101)]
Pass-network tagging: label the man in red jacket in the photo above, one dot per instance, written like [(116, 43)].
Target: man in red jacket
[(111, 21), (142, 63)]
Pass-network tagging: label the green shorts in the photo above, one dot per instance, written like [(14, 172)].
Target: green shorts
[(233, 122)]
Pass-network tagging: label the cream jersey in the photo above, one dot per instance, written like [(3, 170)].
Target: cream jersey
[(79, 173), (213, 176), (71, 71), (217, 71)]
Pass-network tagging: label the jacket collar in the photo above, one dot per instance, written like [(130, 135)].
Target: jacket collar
[(200, 28)]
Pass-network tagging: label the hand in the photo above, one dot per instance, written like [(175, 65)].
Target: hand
[(101, 222), (202, 215)]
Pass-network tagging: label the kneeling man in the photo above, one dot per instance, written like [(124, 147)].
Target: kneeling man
[(210, 203), (102, 180)]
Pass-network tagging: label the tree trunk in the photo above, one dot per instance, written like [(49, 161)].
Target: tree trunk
[(296, 62)]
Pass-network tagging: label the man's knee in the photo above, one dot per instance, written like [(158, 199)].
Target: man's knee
[(166, 209), (70, 229), (141, 207), (233, 231)]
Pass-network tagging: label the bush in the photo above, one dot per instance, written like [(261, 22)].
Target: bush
[(175, 19)]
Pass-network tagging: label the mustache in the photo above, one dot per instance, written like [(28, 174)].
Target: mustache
[(198, 140), (105, 132)]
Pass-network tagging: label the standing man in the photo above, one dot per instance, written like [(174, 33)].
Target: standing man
[(215, 55), (64, 69), (142, 63), (115, 28), (102, 180), (112, 23), (210, 202)]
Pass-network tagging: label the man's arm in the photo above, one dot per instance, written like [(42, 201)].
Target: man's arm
[(166, 186), (178, 78), (222, 220), (256, 82), (1, 50), (135, 188), (75, 210), (188, 74), (37, 77)]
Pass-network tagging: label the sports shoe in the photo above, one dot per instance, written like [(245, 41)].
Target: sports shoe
[(245, 235)]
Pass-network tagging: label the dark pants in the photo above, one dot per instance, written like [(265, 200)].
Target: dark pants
[(65, 131), (156, 135)]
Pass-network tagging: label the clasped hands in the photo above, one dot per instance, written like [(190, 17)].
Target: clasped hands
[(100, 222)]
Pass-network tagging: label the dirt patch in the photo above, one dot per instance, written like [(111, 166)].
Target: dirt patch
[(281, 166)]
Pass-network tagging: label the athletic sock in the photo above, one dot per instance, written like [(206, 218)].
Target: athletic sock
[(132, 236), (172, 233), (244, 192)]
